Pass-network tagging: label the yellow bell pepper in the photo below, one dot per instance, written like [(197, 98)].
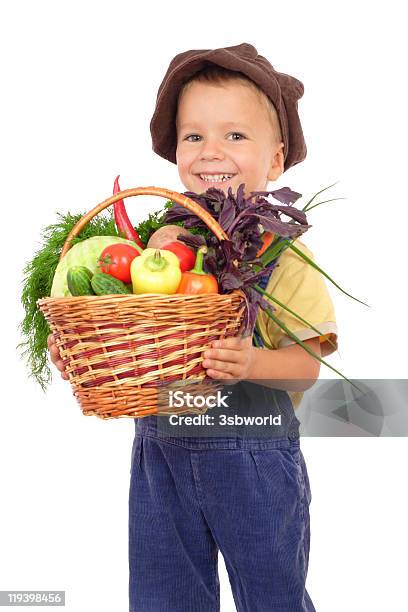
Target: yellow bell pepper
[(155, 271)]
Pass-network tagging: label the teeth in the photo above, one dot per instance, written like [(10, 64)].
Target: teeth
[(215, 178)]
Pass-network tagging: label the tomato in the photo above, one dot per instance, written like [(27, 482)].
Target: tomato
[(116, 259), (185, 255)]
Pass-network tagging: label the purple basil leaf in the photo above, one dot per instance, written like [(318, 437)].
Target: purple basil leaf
[(199, 199), (268, 209), (227, 214), (229, 281), (210, 265), (271, 224), (194, 240), (194, 221), (239, 198), (251, 312), (285, 195), (258, 276), (230, 252), (282, 229), (256, 301), (178, 213)]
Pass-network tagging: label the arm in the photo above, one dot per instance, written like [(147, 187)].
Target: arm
[(290, 368)]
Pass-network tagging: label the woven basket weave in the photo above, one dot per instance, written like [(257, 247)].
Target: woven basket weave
[(123, 353)]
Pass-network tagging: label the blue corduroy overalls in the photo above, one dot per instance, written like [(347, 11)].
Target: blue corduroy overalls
[(247, 496), (192, 496)]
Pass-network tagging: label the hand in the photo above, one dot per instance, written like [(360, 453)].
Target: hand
[(229, 359), (55, 356)]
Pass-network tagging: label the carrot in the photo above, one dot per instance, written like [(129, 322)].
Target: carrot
[(267, 239)]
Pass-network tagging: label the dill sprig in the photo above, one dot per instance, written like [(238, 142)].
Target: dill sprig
[(37, 282)]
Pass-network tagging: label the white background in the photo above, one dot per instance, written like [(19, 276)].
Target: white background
[(79, 85)]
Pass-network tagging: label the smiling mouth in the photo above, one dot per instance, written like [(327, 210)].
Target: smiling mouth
[(216, 181)]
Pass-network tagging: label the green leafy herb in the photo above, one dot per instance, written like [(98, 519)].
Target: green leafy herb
[(37, 282)]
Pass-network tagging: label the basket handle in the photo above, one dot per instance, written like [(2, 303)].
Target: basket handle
[(174, 196)]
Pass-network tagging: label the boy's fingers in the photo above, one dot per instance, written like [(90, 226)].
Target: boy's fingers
[(224, 355), (54, 354), (219, 375), (55, 357), (50, 341), (60, 364), (236, 343), (220, 366), (53, 349), (231, 343)]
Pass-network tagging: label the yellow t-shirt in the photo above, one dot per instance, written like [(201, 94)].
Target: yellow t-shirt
[(302, 288)]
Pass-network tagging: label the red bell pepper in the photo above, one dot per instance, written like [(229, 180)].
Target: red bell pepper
[(125, 228)]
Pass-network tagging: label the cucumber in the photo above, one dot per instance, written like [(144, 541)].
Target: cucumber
[(79, 280), (105, 284)]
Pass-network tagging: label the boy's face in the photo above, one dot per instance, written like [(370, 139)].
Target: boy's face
[(225, 130)]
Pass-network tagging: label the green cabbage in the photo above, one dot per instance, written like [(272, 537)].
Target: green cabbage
[(85, 253)]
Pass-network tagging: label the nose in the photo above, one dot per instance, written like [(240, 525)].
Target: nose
[(211, 149)]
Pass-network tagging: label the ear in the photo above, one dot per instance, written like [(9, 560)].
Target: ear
[(277, 164)]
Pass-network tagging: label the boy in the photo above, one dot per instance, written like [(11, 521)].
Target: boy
[(248, 497)]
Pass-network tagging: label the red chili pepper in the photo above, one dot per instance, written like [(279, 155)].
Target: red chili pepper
[(125, 228)]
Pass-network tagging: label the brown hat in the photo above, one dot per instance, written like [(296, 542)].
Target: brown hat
[(282, 89)]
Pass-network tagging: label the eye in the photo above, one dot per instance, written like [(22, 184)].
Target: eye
[(237, 134), (190, 136)]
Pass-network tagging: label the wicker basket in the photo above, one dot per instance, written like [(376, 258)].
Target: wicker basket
[(124, 352)]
